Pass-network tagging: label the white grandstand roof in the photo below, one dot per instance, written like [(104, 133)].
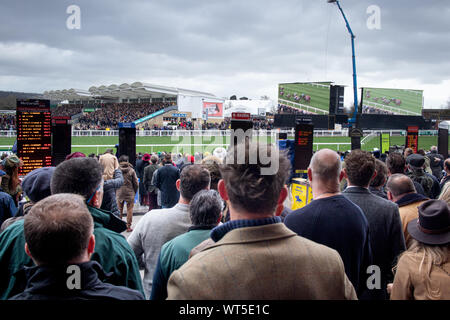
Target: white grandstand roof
[(123, 91)]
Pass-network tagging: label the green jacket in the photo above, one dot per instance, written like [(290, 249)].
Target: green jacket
[(112, 251), (173, 255)]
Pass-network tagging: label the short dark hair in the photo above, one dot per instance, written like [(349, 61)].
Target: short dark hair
[(360, 166), (205, 208), (193, 179), (167, 158), (382, 173), (399, 184), (57, 229), (124, 158), (80, 176), (396, 163), (247, 188)]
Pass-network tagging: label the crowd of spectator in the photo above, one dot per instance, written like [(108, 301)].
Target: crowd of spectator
[(377, 229), (110, 115), (7, 121), (67, 110)]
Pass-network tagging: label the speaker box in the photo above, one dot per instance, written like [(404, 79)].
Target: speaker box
[(61, 142), (443, 142), (127, 143)]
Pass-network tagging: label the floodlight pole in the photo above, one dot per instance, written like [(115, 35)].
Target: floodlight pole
[(355, 86)]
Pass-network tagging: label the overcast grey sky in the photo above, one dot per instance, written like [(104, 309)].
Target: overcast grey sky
[(242, 47)]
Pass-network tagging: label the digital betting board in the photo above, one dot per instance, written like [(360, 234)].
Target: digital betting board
[(34, 136), (304, 136)]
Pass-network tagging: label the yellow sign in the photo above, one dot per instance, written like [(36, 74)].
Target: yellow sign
[(385, 142), (301, 193)]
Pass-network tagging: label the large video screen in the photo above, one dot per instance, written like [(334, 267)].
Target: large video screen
[(392, 101), (305, 97)]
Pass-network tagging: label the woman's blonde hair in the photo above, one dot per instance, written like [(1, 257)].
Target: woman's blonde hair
[(429, 255), (445, 193)]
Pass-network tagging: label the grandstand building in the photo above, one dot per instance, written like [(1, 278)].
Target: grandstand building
[(178, 104)]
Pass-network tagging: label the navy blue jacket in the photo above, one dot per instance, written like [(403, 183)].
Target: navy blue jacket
[(337, 223), (50, 283), (8, 207), (165, 179)]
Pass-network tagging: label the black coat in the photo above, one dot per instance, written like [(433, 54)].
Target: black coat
[(165, 179), (51, 283), (385, 233), (140, 167)]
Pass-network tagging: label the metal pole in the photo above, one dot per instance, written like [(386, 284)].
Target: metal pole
[(355, 86)]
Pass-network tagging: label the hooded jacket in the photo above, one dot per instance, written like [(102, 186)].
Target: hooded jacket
[(130, 185), (50, 283)]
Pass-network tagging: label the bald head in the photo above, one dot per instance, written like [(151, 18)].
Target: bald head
[(326, 166), (399, 185)]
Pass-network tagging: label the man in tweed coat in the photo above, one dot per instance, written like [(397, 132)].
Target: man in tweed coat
[(256, 257)]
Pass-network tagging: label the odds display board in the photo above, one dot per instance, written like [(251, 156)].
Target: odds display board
[(304, 135), (34, 136), (412, 138), (392, 101), (385, 142)]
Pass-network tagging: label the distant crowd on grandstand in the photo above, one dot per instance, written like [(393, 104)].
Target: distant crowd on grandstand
[(104, 116)]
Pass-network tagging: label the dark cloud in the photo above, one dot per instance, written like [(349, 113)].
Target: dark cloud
[(226, 47)]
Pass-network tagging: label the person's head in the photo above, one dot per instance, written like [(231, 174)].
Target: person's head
[(421, 152), (75, 155), (395, 163), (193, 178), (167, 159), (36, 184), (325, 170), (212, 164), (82, 176), (59, 230), (154, 159), (110, 151), (399, 185), (445, 193), (434, 149), (359, 168), (447, 166), (415, 161), (146, 157), (408, 152), (123, 158), (380, 178), (206, 208), (253, 180)]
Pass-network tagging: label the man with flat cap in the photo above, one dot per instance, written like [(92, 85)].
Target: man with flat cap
[(415, 163)]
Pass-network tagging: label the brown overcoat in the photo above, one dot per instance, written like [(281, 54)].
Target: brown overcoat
[(267, 262)]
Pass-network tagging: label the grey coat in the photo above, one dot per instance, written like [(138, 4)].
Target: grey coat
[(109, 196), (385, 233)]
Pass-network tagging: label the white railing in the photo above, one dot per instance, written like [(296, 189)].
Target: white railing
[(208, 133)]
